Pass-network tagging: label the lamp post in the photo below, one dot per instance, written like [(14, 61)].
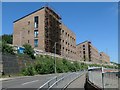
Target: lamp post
[(55, 56)]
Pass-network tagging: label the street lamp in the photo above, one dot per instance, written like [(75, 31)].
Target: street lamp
[(55, 56)]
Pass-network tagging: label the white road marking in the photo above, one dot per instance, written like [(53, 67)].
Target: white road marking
[(30, 82), (46, 83)]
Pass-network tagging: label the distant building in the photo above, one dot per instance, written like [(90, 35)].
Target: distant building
[(104, 58), (87, 52), (41, 29)]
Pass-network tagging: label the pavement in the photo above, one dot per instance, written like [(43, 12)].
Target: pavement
[(78, 83)]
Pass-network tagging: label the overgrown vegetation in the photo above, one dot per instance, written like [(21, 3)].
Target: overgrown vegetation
[(4, 41), (7, 38), (6, 49), (45, 65), (29, 50), (29, 71)]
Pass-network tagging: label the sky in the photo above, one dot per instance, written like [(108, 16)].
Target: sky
[(94, 21)]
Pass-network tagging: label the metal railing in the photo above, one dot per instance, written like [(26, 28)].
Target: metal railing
[(60, 81), (49, 84)]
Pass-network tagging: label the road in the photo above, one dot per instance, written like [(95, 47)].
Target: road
[(68, 79), (35, 82), (32, 82)]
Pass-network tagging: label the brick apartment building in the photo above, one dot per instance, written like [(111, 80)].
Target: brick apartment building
[(104, 58), (87, 52), (68, 43), (41, 29)]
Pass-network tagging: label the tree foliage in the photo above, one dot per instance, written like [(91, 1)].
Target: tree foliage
[(28, 71), (29, 50), (44, 65), (7, 49), (7, 38)]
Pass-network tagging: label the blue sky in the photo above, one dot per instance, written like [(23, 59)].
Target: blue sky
[(97, 22)]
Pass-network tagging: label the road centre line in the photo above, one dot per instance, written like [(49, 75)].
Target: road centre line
[(30, 82), (46, 83)]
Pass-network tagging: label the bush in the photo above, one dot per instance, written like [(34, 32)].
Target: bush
[(83, 66), (29, 71), (69, 65), (77, 66), (44, 65), (60, 66)]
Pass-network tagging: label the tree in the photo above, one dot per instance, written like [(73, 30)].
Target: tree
[(7, 49), (7, 38), (29, 50)]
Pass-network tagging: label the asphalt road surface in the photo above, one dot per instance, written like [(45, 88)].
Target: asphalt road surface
[(67, 80), (32, 82), (35, 82), (78, 83)]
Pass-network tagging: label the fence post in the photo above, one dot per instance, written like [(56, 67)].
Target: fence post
[(103, 78)]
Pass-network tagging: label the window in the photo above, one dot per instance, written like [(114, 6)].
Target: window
[(60, 46), (36, 21), (83, 52), (28, 31), (36, 42), (83, 45), (28, 22), (28, 41), (66, 33), (36, 33), (60, 40), (62, 31)]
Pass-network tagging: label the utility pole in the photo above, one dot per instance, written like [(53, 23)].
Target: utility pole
[(55, 57), (103, 78)]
